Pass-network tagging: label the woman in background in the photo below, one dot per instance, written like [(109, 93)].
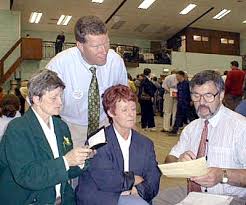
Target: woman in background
[(10, 106)]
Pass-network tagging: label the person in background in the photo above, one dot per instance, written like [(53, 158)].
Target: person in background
[(219, 136), (24, 93), (131, 84), (1, 96), (156, 95), (184, 102), (10, 106), (60, 39), (36, 152), (21, 99), (241, 108), (170, 102), (124, 171), (87, 71), (234, 86), (146, 94), (225, 75)]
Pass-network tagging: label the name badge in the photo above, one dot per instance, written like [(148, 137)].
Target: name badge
[(77, 94)]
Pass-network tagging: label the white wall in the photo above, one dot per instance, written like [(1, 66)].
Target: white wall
[(191, 63), (195, 62)]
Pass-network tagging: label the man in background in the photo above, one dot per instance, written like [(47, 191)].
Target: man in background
[(170, 102), (234, 86), (60, 39)]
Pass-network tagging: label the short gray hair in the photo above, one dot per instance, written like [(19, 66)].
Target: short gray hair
[(206, 76), (42, 81)]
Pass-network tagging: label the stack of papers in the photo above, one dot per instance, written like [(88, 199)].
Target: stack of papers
[(195, 198), (185, 169)]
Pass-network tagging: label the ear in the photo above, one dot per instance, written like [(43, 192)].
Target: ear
[(36, 100), (110, 114), (80, 46), (222, 95)]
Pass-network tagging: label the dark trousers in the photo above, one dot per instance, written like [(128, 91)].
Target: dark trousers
[(58, 47), (147, 114), (181, 117)]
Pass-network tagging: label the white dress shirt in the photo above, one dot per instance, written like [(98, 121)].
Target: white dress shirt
[(51, 138), (74, 72), (125, 148), (170, 82), (226, 145)]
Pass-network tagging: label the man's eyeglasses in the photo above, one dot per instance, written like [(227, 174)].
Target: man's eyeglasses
[(208, 97)]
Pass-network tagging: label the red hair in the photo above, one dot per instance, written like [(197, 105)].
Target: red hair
[(116, 93)]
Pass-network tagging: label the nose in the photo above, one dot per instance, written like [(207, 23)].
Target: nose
[(202, 100), (59, 100)]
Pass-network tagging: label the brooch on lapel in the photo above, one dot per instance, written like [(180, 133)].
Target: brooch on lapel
[(66, 142)]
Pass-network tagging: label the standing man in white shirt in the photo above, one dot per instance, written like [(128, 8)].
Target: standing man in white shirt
[(220, 133), (170, 102), (90, 63)]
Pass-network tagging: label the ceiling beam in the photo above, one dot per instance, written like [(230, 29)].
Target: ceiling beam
[(115, 11)]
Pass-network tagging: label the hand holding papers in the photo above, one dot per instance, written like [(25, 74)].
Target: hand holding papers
[(195, 198), (185, 169), (97, 139)]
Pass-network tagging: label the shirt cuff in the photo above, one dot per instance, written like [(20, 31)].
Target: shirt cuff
[(66, 163)]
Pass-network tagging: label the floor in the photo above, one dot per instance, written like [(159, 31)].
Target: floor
[(163, 144)]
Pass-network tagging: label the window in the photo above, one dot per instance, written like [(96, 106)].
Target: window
[(231, 41), (204, 38), (200, 38), (197, 38), (224, 40)]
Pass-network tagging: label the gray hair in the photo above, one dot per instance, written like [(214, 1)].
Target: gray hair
[(88, 25), (206, 76), (42, 81)]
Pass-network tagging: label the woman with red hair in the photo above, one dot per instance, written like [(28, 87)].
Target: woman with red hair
[(124, 171)]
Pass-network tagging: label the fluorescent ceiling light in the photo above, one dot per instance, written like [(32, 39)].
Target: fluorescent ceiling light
[(221, 14), (146, 4), (35, 17), (244, 21), (64, 19), (97, 1), (187, 9)]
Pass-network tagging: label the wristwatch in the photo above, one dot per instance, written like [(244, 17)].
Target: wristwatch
[(224, 177)]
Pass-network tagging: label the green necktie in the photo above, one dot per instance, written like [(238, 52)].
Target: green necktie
[(93, 103)]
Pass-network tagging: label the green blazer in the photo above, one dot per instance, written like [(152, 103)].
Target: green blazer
[(28, 170)]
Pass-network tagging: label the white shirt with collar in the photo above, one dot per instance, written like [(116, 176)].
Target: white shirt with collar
[(170, 82), (74, 72), (226, 146), (125, 148), (51, 138)]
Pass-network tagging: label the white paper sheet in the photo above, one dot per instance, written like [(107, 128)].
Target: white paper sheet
[(195, 198), (185, 169)]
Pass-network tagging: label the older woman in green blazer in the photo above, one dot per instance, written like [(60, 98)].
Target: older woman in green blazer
[(37, 158)]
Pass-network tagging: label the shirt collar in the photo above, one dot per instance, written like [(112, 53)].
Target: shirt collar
[(83, 61), (42, 123), (216, 118), (121, 140)]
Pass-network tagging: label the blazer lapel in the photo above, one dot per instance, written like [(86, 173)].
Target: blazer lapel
[(133, 152), (38, 132), (59, 137), (116, 147)]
